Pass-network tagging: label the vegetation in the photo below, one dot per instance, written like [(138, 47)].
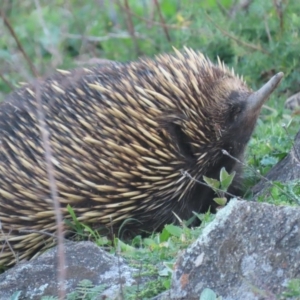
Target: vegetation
[(257, 40)]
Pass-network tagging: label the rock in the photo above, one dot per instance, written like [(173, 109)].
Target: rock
[(286, 170), (84, 261), (293, 102), (249, 251)]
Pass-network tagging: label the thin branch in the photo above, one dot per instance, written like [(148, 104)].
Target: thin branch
[(279, 11), (150, 13), (103, 38), (129, 24), (247, 45), (54, 194), (7, 243), (20, 47), (162, 21), (267, 29), (222, 9), (51, 48), (188, 175), (6, 81), (151, 22)]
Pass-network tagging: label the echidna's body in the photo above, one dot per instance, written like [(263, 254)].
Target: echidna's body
[(122, 137)]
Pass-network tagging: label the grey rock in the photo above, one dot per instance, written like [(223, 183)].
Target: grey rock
[(84, 260), (293, 102), (249, 251)]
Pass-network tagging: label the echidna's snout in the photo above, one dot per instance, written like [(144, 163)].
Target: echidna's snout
[(258, 98)]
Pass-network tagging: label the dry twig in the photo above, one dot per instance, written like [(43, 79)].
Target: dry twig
[(279, 11), (107, 37), (129, 24), (54, 195), (162, 21), (20, 47), (6, 81), (267, 29), (242, 43)]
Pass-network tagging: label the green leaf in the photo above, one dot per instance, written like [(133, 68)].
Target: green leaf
[(167, 283), (70, 210), (226, 179), (208, 294), (137, 241), (190, 220), (220, 201), (168, 8), (164, 236), (123, 246), (269, 161), (169, 266), (150, 243), (174, 230), (164, 272), (199, 216), (213, 183)]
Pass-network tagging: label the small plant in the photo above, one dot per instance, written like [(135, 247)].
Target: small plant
[(85, 290), (82, 230), (293, 290), (220, 186), (279, 194)]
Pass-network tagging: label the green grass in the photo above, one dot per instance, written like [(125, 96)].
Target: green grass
[(153, 256), (256, 42)]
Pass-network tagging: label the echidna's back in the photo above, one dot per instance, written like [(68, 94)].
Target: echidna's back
[(129, 141), (113, 159)]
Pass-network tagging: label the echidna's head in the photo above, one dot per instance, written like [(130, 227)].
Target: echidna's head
[(240, 107), (215, 108), (208, 108)]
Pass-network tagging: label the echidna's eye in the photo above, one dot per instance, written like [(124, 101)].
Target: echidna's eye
[(234, 112), (237, 113)]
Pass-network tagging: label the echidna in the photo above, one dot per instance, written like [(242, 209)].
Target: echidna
[(123, 136)]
